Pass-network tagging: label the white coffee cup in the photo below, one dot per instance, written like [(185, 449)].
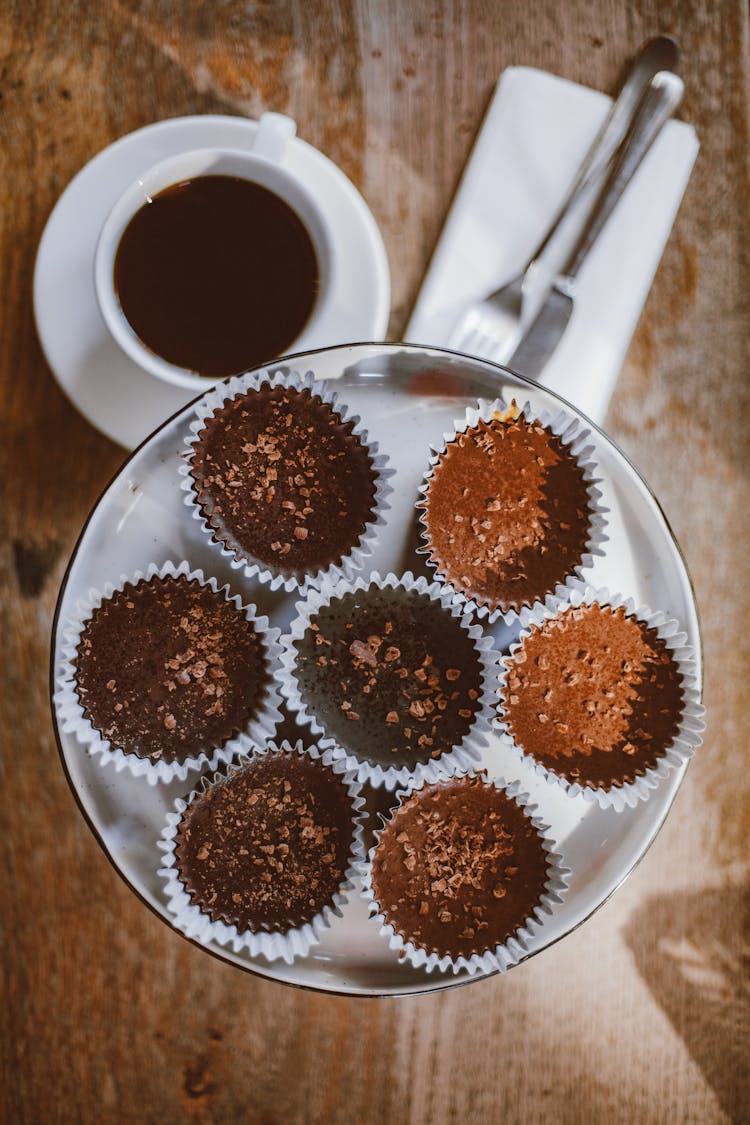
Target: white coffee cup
[(264, 164)]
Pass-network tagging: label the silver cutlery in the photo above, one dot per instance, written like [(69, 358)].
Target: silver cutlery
[(494, 326), (658, 103)]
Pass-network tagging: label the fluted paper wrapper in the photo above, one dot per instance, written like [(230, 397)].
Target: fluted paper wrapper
[(222, 540), (574, 437), (463, 755), (691, 726), (499, 958), (71, 714), (272, 945)]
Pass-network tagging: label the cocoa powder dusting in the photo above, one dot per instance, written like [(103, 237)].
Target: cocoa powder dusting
[(507, 512), (594, 695)]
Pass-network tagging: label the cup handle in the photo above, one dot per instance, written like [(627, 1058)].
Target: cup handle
[(275, 131)]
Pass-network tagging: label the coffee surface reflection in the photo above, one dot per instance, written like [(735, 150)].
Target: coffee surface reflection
[(216, 274)]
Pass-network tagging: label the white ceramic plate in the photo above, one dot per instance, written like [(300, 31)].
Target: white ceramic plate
[(104, 384), (407, 396)]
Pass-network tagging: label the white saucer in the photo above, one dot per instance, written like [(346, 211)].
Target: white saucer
[(116, 395)]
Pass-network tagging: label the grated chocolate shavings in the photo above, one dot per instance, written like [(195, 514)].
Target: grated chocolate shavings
[(459, 868), (410, 699), (278, 473), (267, 848), (167, 669)]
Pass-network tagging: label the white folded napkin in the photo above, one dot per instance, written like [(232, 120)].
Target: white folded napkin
[(536, 132)]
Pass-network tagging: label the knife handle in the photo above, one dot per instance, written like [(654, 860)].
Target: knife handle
[(660, 53), (660, 99)]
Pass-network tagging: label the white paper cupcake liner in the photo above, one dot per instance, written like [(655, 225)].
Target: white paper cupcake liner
[(272, 945), (574, 437), (691, 726), (461, 756), (71, 715), (499, 958), (279, 577)]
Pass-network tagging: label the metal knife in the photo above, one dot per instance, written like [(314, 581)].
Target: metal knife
[(658, 103)]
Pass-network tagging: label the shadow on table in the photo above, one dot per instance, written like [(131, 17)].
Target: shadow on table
[(693, 952)]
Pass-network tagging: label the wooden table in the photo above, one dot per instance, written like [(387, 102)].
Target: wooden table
[(643, 1015)]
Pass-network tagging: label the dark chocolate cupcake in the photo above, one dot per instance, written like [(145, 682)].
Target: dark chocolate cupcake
[(393, 674), (510, 508), (460, 875), (600, 698), (264, 856), (167, 673), (284, 480)]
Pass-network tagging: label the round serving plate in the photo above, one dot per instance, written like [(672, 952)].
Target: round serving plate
[(407, 397)]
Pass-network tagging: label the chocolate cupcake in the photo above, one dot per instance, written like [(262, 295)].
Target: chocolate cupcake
[(168, 673), (264, 856), (393, 674), (601, 698), (510, 509), (283, 480), (460, 874)]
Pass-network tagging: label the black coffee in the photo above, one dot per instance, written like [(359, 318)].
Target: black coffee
[(216, 274)]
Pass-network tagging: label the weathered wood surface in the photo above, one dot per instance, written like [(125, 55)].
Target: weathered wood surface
[(643, 1015)]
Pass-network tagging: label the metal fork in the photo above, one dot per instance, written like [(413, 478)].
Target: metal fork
[(494, 326), (659, 102)]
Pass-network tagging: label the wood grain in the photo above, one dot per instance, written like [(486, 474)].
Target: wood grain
[(643, 1015)]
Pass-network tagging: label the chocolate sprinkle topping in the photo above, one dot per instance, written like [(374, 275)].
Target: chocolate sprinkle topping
[(507, 513), (279, 474), (390, 674), (166, 669), (267, 848), (459, 868), (595, 695)]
